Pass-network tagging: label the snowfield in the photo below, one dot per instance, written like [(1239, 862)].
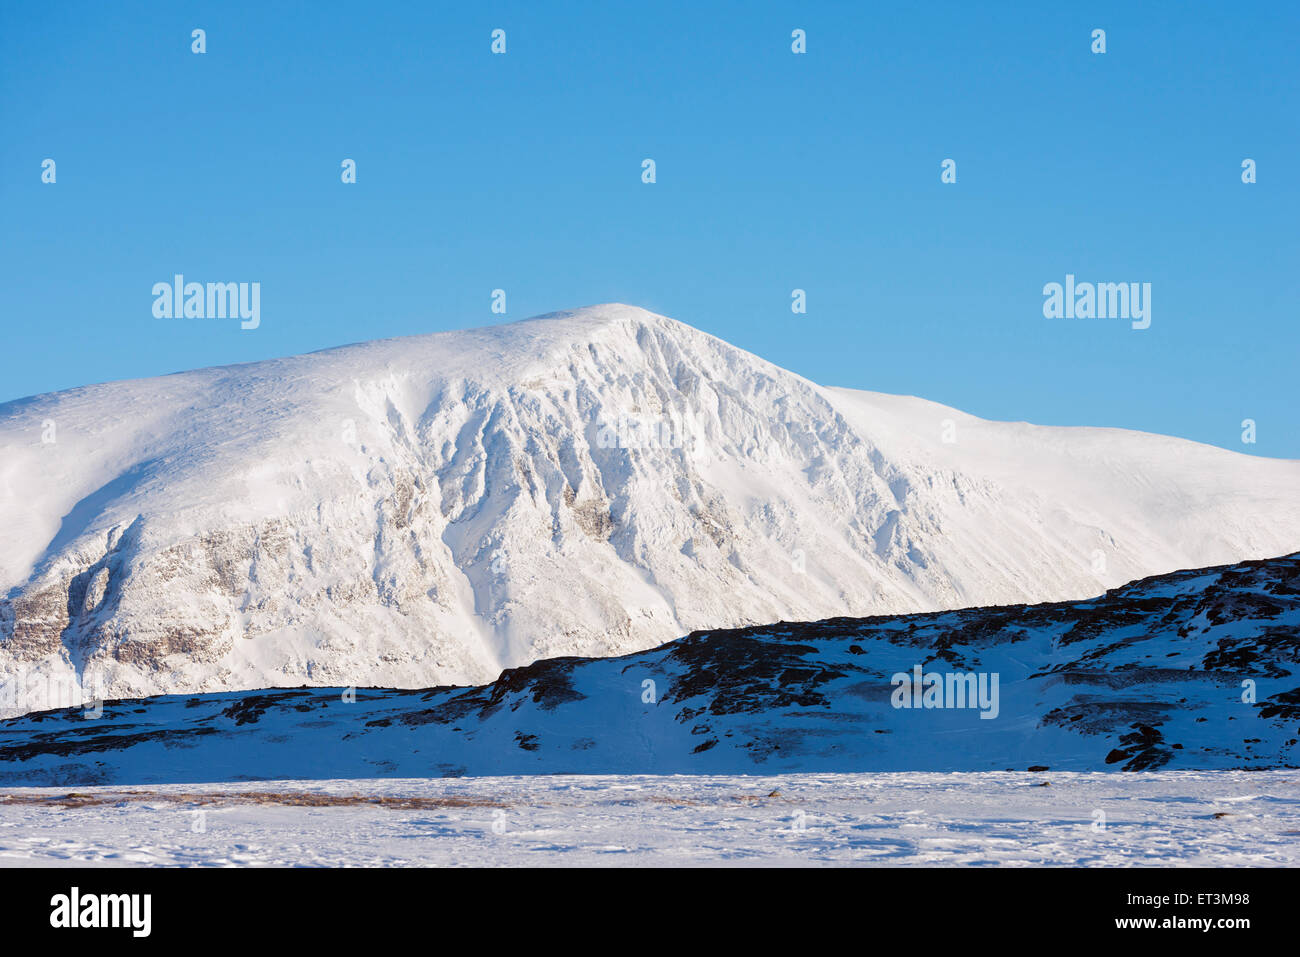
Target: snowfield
[(1222, 819), (433, 510)]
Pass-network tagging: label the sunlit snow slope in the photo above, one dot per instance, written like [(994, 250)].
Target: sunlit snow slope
[(430, 510)]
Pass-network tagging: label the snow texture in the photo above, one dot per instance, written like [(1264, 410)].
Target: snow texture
[(1220, 819)]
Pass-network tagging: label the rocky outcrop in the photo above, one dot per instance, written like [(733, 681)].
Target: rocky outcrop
[(1197, 669)]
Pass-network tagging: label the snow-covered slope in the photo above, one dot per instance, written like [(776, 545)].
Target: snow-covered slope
[(434, 509), (1192, 670)]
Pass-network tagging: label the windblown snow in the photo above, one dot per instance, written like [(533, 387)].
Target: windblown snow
[(432, 510)]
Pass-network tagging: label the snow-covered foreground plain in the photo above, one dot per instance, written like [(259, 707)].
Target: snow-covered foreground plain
[(1221, 818)]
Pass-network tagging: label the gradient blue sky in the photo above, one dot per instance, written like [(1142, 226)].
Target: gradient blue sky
[(775, 171)]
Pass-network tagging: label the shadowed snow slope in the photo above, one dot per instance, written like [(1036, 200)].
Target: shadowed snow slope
[(1192, 670), (434, 509)]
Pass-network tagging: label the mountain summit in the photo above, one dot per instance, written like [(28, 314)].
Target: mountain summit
[(434, 509)]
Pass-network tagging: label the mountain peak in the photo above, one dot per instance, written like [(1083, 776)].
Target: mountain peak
[(607, 312), (430, 510)]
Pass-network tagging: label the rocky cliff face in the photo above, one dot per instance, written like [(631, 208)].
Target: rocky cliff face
[(432, 510)]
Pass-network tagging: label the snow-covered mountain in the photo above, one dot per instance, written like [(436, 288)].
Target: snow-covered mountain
[(1193, 670), (431, 510)]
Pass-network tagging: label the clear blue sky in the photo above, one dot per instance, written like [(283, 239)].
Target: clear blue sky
[(775, 171)]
